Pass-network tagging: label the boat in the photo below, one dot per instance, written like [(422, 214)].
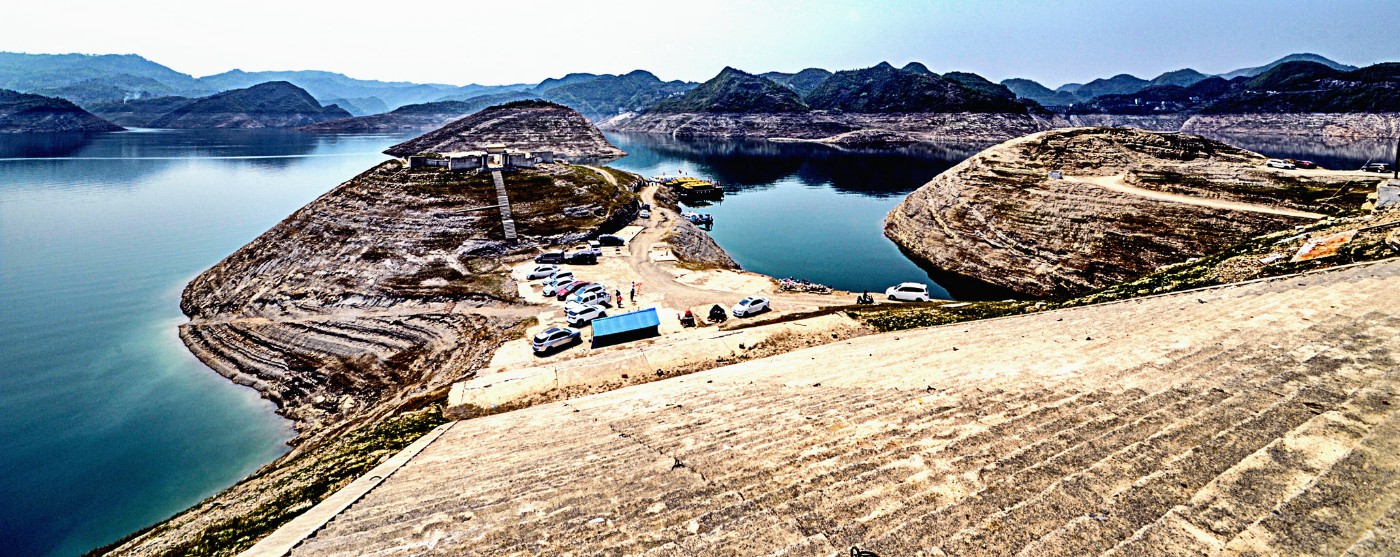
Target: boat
[(690, 187), (699, 218)]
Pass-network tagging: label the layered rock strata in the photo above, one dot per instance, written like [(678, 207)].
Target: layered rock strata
[(525, 125), (1130, 201), (386, 289)]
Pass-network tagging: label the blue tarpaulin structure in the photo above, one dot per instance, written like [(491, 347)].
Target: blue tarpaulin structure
[(626, 327)]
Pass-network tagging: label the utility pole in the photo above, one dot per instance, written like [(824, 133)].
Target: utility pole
[(1395, 165)]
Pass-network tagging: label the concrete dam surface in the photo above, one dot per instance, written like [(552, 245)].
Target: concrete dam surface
[(1256, 418)]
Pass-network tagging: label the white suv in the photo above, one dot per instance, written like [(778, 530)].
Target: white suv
[(591, 294), (1280, 163), (552, 337), (579, 315), (908, 292), (542, 271)]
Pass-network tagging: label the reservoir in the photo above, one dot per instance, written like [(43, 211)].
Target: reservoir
[(108, 424)]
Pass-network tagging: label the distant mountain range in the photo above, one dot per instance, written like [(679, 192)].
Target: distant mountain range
[(1126, 84), (1290, 87), (133, 91)]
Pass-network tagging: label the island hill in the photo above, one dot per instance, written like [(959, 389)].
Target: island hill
[(25, 113), (275, 104), (1065, 212)]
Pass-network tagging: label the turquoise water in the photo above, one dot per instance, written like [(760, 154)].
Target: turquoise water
[(809, 211), (108, 424)]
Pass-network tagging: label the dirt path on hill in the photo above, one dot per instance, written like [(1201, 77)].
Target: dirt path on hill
[(1116, 183)]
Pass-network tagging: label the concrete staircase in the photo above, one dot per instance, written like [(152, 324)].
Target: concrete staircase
[(1254, 419), (506, 219)]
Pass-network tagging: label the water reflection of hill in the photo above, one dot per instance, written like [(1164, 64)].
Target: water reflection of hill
[(125, 159), (1329, 152), (746, 165)]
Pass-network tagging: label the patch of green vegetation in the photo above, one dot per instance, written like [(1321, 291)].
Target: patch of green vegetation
[(889, 317), (315, 475), (1243, 261)]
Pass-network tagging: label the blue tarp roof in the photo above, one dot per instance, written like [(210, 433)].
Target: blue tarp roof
[(634, 321)]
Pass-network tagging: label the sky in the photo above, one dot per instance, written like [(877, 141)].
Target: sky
[(519, 41)]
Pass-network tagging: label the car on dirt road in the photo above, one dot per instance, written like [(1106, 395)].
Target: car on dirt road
[(554, 337), (579, 315), (550, 257), (553, 285), (646, 213), (752, 305), (591, 295), (562, 293), (583, 257), (908, 292), (1302, 163), (1376, 167), (542, 271), (609, 240), (1280, 163)]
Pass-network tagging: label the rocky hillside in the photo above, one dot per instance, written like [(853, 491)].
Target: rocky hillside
[(139, 113), (802, 82), (1029, 89), (275, 104), (527, 125), (886, 89), (603, 96), (734, 91), (1131, 201), (24, 113), (426, 116)]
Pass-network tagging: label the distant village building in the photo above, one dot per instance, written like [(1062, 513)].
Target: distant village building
[(494, 157)]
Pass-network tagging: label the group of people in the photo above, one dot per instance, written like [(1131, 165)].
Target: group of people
[(632, 294)]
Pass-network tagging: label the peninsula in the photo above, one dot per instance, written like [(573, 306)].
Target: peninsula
[(25, 113)]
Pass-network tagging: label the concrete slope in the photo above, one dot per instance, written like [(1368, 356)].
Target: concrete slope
[(1258, 418)]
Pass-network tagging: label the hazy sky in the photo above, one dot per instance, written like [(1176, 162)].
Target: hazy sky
[(513, 41)]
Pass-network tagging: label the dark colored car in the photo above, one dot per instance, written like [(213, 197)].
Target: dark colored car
[(571, 288), (584, 257), (555, 257), (1302, 163), (611, 240), (1376, 167)]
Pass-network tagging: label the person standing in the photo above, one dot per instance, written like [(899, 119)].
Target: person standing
[(618, 295), (633, 293)]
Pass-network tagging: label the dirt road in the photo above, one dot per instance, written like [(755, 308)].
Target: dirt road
[(1116, 183)]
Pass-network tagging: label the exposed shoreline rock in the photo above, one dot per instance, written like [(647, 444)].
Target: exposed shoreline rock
[(970, 126), (1000, 218), (840, 128)]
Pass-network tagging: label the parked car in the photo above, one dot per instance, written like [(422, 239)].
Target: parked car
[(553, 285), (591, 296), (646, 214), (1302, 163), (550, 257), (908, 292), (751, 305), (582, 257), (562, 274), (542, 271), (579, 315), (611, 240), (1279, 163), (563, 292), (646, 206), (1376, 167), (554, 337)]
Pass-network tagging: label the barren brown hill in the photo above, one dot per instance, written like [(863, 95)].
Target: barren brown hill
[(526, 125), (1128, 202), (1255, 419)]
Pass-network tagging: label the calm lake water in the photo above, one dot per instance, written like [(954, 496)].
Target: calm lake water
[(108, 424), (816, 212)]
